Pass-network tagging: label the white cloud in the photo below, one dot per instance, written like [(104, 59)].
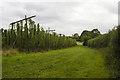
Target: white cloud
[(65, 17)]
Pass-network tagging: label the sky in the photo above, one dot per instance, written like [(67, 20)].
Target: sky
[(65, 16)]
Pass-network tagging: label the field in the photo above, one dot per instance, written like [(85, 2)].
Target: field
[(74, 62)]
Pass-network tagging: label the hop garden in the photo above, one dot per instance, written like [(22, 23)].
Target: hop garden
[(33, 37)]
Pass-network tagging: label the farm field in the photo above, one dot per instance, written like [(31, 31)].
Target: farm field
[(56, 39), (74, 62)]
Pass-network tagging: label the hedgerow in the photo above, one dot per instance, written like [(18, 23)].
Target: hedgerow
[(111, 40)]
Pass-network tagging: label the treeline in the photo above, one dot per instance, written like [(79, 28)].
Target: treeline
[(111, 40), (32, 37), (86, 35)]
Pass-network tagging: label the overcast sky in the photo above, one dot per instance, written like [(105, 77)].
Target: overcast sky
[(66, 17)]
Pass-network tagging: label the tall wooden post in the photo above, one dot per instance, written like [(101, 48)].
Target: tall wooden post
[(27, 33), (49, 35), (11, 40), (17, 22), (21, 33), (12, 34)]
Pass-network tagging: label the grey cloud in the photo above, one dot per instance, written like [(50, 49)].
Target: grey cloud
[(65, 17), (111, 6)]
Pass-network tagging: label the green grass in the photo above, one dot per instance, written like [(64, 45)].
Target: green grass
[(74, 62)]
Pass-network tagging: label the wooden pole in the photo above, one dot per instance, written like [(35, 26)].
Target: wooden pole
[(12, 34), (23, 19), (49, 35), (49, 30), (26, 26), (27, 33)]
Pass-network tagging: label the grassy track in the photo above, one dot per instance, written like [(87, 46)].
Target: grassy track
[(74, 62)]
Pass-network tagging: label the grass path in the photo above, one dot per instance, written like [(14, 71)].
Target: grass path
[(74, 62)]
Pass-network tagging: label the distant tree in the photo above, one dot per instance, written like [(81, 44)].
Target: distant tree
[(86, 35), (95, 31), (75, 36)]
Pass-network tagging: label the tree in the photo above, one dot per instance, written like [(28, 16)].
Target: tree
[(75, 36), (87, 35)]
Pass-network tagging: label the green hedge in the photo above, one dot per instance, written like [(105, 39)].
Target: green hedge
[(100, 41), (110, 40)]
